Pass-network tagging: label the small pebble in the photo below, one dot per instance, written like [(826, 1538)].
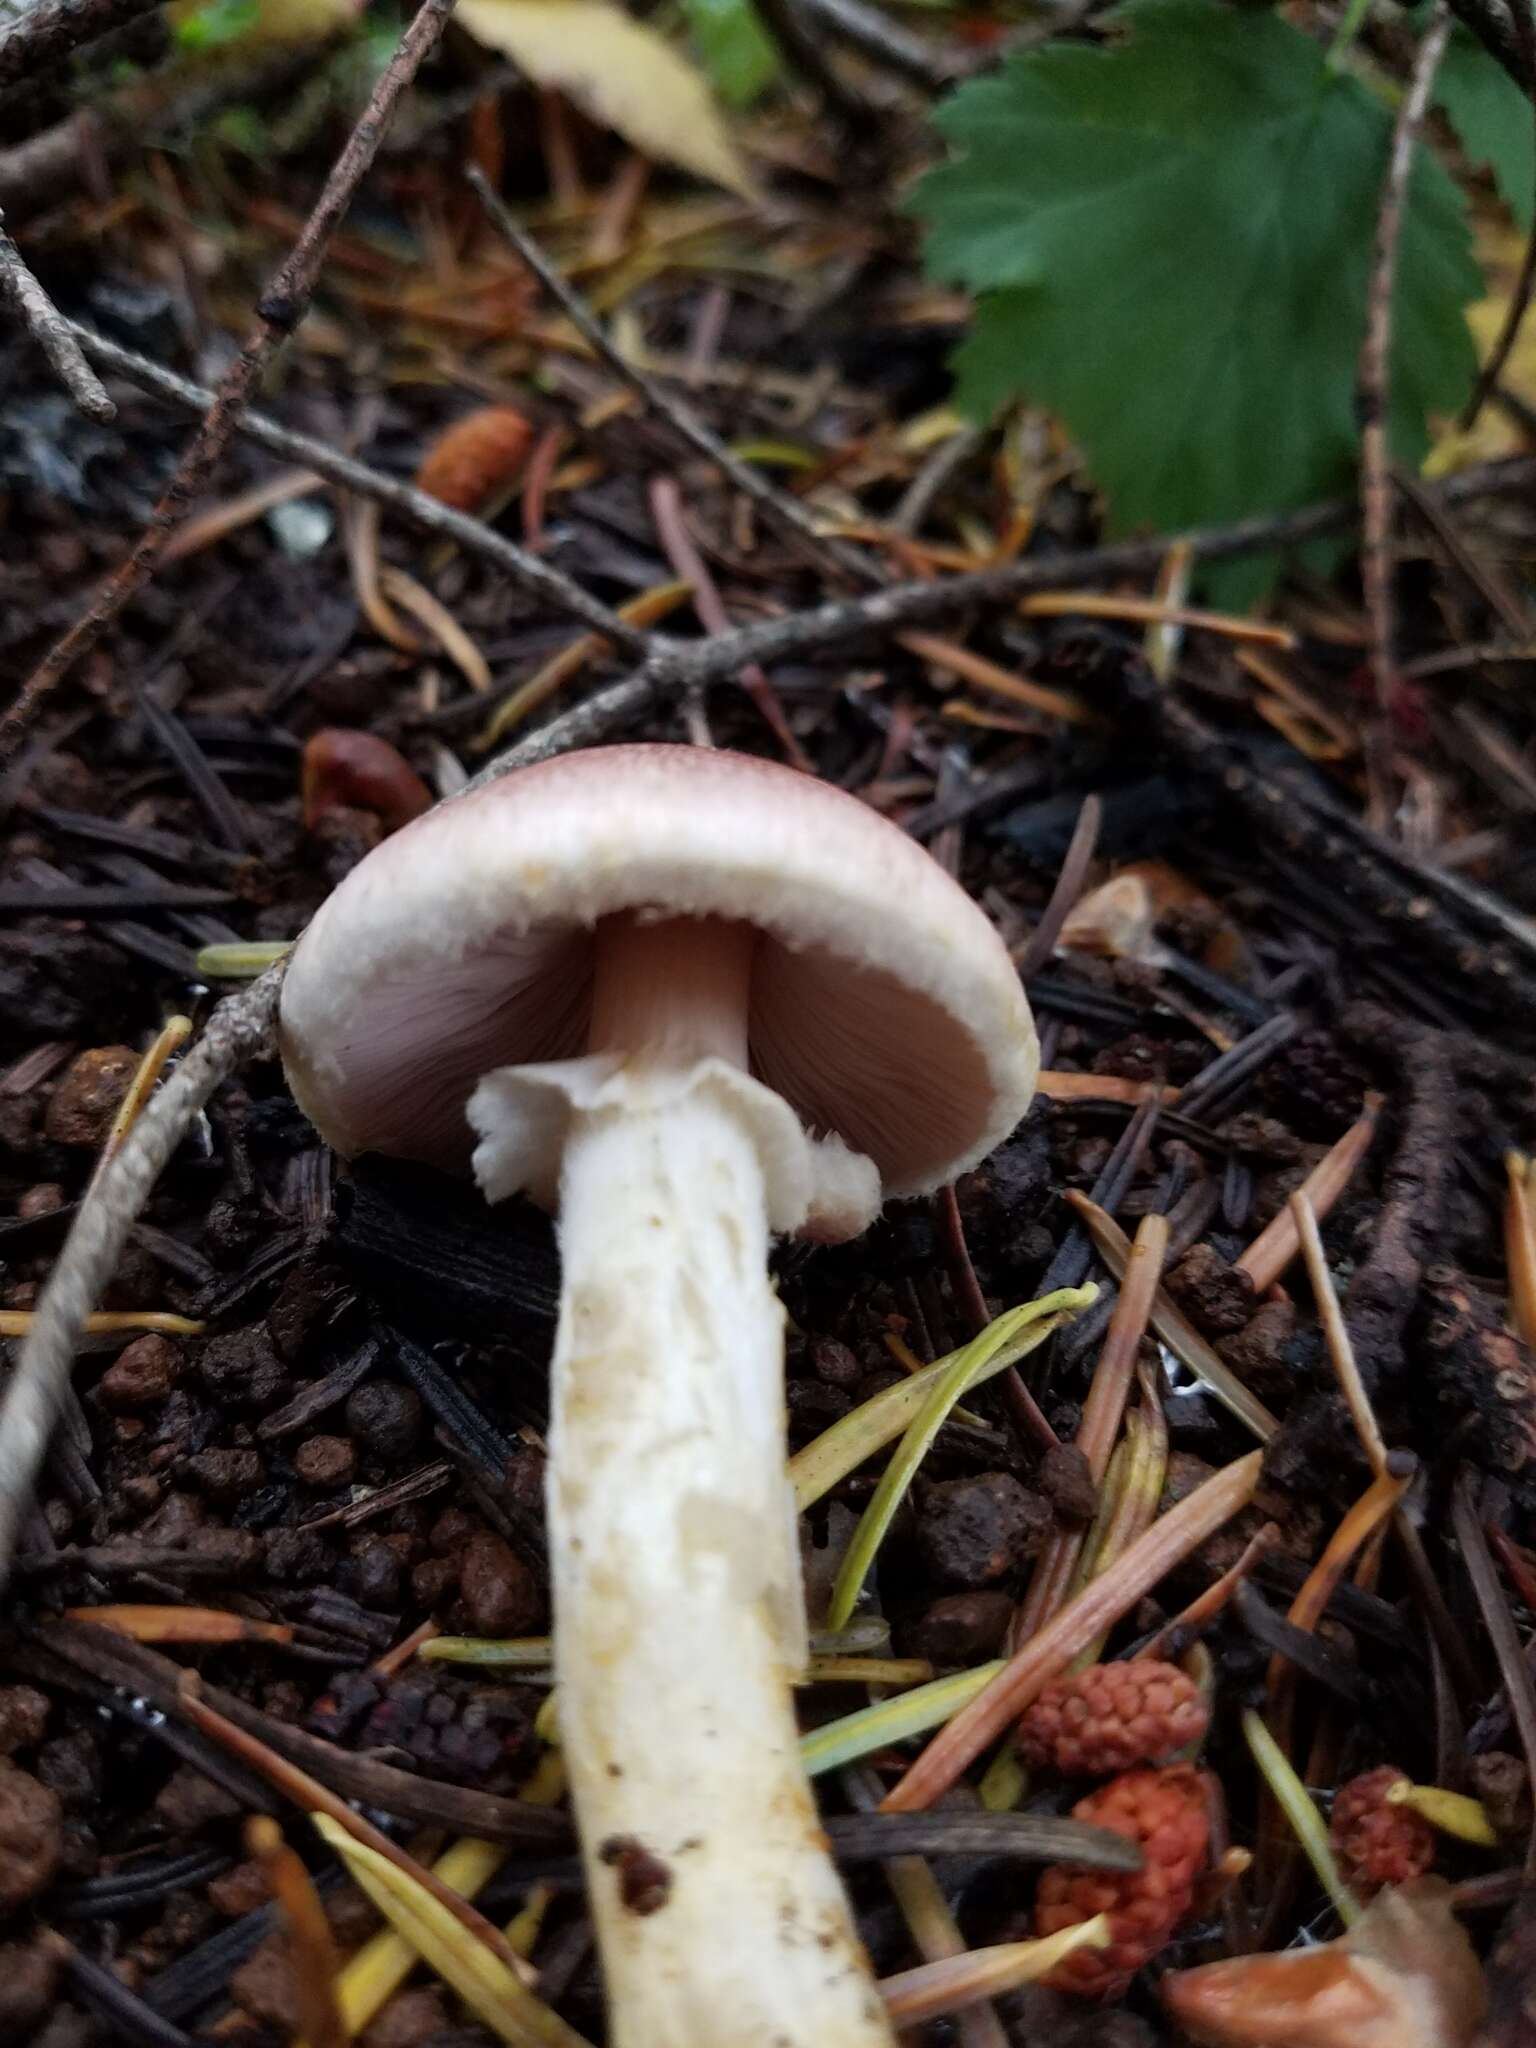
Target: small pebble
[(226, 1475), (82, 1107), (145, 1372), (451, 1531), (375, 1576), (297, 1556), (409, 2019), (385, 1418), (433, 1580), (326, 1461), (242, 1369), (188, 1802), (1067, 1483), (836, 1364), (23, 1717), (29, 1975), (43, 1200), (71, 1766), (31, 1837), (961, 1628), (972, 1531), (240, 1890), (501, 1594)]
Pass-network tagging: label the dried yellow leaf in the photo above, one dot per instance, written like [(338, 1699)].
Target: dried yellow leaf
[(621, 72)]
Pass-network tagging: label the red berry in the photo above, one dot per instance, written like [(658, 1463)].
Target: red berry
[(1164, 1812), (1113, 1716), (1375, 1843)]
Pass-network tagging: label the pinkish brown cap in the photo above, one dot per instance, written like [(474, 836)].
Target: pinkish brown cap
[(884, 1007)]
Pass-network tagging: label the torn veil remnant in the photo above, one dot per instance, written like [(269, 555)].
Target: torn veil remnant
[(686, 999)]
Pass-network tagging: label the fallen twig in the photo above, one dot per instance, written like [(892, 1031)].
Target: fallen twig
[(430, 514), (1373, 380), (48, 327), (281, 307), (51, 30), (239, 1029)]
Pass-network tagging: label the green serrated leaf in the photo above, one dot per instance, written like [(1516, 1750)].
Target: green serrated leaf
[(1492, 118), (1170, 239), (736, 51)]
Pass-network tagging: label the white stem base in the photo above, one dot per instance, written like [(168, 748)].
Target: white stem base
[(721, 1920)]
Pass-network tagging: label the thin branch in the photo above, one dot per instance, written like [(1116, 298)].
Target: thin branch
[(786, 512), (279, 310), (1373, 388), (1524, 15), (50, 330), (51, 30), (239, 1029), (675, 665), (429, 514)]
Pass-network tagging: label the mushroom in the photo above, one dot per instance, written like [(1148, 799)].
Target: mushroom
[(685, 999)]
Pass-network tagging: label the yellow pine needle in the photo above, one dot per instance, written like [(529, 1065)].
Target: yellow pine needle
[(537, 1653), (445, 629), (910, 1363), (1294, 1801), (493, 1993), (1096, 604), (522, 1930), (877, 1727), (381, 1965), (1453, 1813), (521, 1652), (1005, 1780), (240, 961), (955, 1982), (648, 609), (924, 1427), (1520, 1245), (839, 1450), (16, 1322), (173, 1034)]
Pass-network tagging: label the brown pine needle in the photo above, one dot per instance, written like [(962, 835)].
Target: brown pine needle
[(313, 1797), (1175, 1329), (1056, 1087), (983, 674), (219, 521), (1277, 1243), (1103, 1412), (445, 629), (1171, 1539), (315, 1962), (1205, 1607), (182, 1624), (1097, 604), (1520, 1245), (648, 609), (1336, 1333)]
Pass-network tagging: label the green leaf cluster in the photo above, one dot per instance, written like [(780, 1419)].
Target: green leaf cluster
[(1169, 238)]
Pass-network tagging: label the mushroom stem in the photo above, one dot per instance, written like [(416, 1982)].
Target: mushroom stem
[(679, 1617)]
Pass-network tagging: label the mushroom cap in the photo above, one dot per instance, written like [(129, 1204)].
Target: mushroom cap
[(884, 1007)]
